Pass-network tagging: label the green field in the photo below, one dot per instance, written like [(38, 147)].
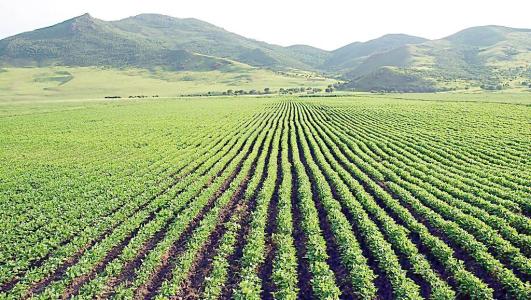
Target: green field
[(66, 83), (522, 98), (367, 196)]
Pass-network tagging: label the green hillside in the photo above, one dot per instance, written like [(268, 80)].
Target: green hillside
[(391, 79), (347, 58), (144, 41), (486, 57), (86, 41), (201, 37), (489, 57)]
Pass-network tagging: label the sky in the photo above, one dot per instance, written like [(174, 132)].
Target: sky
[(327, 24)]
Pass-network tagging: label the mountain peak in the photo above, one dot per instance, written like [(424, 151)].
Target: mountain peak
[(82, 23), (83, 17), (482, 36)]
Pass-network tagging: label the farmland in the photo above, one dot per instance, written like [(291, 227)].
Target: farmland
[(361, 197)]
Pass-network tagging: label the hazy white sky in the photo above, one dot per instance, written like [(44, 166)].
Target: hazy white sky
[(326, 24)]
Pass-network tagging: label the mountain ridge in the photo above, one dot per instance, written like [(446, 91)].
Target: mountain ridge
[(481, 54)]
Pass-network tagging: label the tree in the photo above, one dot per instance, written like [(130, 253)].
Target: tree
[(267, 90)]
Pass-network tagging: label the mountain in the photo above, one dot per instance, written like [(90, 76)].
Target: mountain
[(201, 37), (309, 55), (145, 40), (487, 56), (86, 41), (352, 55), (391, 79)]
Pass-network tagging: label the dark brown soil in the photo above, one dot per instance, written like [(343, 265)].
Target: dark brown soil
[(163, 272), (334, 260), (300, 240), (266, 269), (234, 259), (191, 287)]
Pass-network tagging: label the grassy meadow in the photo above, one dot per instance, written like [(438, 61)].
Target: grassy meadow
[(66, 83)]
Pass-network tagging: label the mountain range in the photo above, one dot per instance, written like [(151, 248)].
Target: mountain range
[(489, 56)]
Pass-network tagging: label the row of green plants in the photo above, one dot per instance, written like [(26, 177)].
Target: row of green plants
[(512, 283), (44, 234), (217, 279), (456, 157), (323, 283), (254, 249), (362, 277), (218, 276), (151, 263), (444, 170), (483, 231), (199, 237), (482, 207), (284, 274), (467, 282), (116, 219), (359, 203), (201, 179), (124, 218)]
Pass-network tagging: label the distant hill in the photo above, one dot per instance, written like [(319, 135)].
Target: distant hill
[(487, 56), (391, 79), (145, 40), (85, 41), (311, 56), (348, 57)]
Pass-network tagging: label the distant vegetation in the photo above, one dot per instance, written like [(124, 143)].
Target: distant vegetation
[(388, 79), (487, 57), (34, 84)]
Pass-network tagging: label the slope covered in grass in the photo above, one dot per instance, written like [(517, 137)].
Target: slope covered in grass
[(94, 82)]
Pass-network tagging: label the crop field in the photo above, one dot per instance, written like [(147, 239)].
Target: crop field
[(266, 198)]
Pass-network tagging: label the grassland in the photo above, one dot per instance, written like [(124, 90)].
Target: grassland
[(66, 83), (282, 197)]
